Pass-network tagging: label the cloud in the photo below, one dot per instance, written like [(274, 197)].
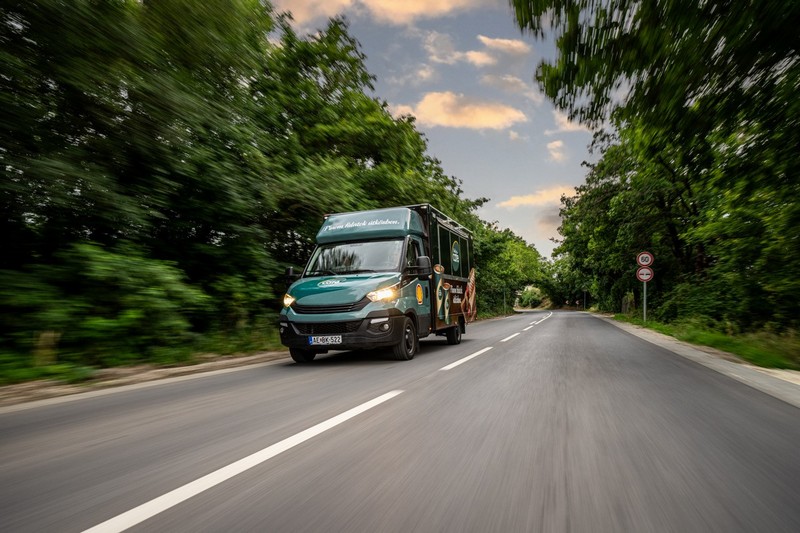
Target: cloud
[(393, 12), (506, 46), (305, 11), (414, 75), (513, 135), (556, 151), (480, 59), (564, 125), (513, 84), (407, 11), (543, 197), (451, 110), (440, 49)]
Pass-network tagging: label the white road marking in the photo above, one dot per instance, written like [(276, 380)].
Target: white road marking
[(510, 337), (545, 318), (526, 329), (158, 505), (464, 360)]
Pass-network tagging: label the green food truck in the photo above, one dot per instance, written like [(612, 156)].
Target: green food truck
[(381, 278)]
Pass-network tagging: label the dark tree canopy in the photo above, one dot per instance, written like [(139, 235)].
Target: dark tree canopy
[(164, 161), (698, 126)]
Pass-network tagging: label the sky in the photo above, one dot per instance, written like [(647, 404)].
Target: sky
[(465, 70)]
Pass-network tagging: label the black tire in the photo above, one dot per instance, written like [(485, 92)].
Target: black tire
[(406, 349), (302, 356), (454, 335)]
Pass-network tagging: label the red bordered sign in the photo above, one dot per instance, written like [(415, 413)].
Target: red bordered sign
[(644, 274), (645, 259)]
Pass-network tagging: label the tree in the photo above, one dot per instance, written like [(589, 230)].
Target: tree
[(705, 124)]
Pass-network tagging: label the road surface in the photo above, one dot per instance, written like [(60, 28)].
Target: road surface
[(553, 422)]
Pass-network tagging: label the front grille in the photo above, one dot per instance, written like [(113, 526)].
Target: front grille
[(329, 328), (321, 309)]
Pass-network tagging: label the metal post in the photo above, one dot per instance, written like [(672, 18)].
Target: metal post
[(645, 301)]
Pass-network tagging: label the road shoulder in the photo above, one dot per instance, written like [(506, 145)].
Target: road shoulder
[(781, 384)]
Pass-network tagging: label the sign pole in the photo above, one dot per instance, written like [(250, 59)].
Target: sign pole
[(645, 301), (644, 274)]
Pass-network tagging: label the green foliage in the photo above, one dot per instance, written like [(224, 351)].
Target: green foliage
[(99, 308), (506, 265), (764, 348), (530, 298), (701, 168), (162, 162)]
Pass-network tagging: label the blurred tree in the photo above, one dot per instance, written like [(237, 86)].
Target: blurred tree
[(701, 98), (162, 161)]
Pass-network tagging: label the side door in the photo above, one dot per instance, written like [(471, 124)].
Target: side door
[(419, 287)]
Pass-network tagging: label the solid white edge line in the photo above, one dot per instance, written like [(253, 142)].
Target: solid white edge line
[(162, 503), (510, 337), (467, 358), (526, 329)]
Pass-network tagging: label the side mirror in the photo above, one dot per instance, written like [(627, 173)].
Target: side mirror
[(424, 267), (291, 276)]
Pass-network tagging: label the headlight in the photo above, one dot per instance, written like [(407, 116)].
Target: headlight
[(288, 300), (388, 294)]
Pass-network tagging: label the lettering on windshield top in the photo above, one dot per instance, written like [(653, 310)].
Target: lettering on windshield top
[(362, 223)]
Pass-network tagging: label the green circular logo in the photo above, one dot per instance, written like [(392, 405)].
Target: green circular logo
[(455, 256)]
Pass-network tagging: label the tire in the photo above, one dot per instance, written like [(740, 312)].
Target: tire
[(406, 349), (302, 356), (454, 335)]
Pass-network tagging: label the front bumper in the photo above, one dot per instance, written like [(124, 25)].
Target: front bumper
[(374, 331)]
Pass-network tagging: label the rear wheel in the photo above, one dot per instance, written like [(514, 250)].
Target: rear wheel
[(302, 356), (454, 335), (407, 347)]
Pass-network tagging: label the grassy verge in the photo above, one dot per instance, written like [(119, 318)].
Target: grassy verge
[(19, 368), (764, 349)]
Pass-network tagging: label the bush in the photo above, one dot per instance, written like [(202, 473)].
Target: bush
[(98, 307)]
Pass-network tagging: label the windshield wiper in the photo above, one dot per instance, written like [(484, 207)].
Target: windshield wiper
[(358, 271)]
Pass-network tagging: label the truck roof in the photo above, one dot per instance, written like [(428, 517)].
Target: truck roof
[(370, 225)]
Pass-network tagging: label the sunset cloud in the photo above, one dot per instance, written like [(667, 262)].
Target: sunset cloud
[(441, 49), (506, 46), (386, 11), (513, 84), (564, 125), (556, 151), (543, 197), (451, 110)]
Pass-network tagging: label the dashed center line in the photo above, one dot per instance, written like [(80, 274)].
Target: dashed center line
[(467, 358), (166, 501)]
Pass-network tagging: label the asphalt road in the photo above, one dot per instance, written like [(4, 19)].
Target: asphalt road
[(570, 425)]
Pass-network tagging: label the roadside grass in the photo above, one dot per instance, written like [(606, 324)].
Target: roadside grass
[(763, 348), (20, 368)]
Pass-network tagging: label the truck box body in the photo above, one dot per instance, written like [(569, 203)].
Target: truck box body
[(365, 278)]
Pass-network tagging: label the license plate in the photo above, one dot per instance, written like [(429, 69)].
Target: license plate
[(325, 339)]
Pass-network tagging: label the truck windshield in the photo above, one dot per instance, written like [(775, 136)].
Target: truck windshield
[(356, 258)]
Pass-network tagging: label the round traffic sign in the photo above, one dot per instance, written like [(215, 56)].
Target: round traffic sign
[(645, 259), (644, 274)]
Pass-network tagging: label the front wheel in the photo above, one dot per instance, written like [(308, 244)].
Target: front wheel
[(302, 356), (407, 347), (454, 335)]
